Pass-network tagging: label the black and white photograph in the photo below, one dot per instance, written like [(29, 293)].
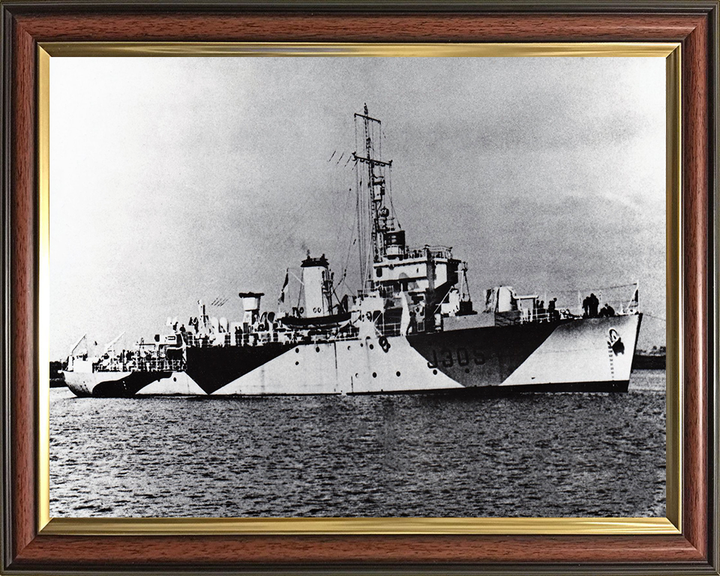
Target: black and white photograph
[(369, 287)]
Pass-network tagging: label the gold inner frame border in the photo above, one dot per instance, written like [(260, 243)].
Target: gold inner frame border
[(671, 524)]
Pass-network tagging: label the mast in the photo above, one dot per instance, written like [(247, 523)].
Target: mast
[(373, 216)]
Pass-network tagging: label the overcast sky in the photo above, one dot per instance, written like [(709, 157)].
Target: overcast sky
[(175, 179)]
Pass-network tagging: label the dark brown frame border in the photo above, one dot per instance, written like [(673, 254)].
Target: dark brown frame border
[(25, 23)]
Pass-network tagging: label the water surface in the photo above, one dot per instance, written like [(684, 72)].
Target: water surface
[(404, 455)]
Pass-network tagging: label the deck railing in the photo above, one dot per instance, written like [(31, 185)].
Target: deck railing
[(151, 359), (152, 364), (429, 252)]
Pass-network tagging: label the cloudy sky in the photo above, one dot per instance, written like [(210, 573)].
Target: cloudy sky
[(175, 179)]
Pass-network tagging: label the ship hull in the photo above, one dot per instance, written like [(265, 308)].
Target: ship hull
[(590, 355)]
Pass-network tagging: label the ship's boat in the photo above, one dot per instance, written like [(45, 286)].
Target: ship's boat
[(411, 327)]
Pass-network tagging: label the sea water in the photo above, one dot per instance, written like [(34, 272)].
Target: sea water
[(403, 455)]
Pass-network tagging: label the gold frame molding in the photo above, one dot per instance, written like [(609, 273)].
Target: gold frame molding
[(671, 51)]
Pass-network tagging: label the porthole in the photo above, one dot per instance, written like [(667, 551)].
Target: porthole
[(317, 348), (397, 373), (297, 350), (435, 372), (371, 346), (297, 363), (374, 374)]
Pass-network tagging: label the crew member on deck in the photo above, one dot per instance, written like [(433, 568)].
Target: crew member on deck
[(553, 314), (607, 311), (593, 304)]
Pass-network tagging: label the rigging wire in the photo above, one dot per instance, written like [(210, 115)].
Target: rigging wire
[(598, 288), (654, 317), (353, 241), (342, 227), (390, 195)]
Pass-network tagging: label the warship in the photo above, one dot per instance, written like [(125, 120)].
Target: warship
[(411, 327)]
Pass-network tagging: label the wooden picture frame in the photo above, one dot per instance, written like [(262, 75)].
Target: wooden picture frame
[(31, 546)]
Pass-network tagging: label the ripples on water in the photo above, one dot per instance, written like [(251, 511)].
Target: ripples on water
[(406, 455)]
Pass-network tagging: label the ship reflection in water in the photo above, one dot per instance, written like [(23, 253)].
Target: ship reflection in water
[(402, 455)]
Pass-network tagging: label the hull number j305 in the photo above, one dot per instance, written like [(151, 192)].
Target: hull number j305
[(460, 356)]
